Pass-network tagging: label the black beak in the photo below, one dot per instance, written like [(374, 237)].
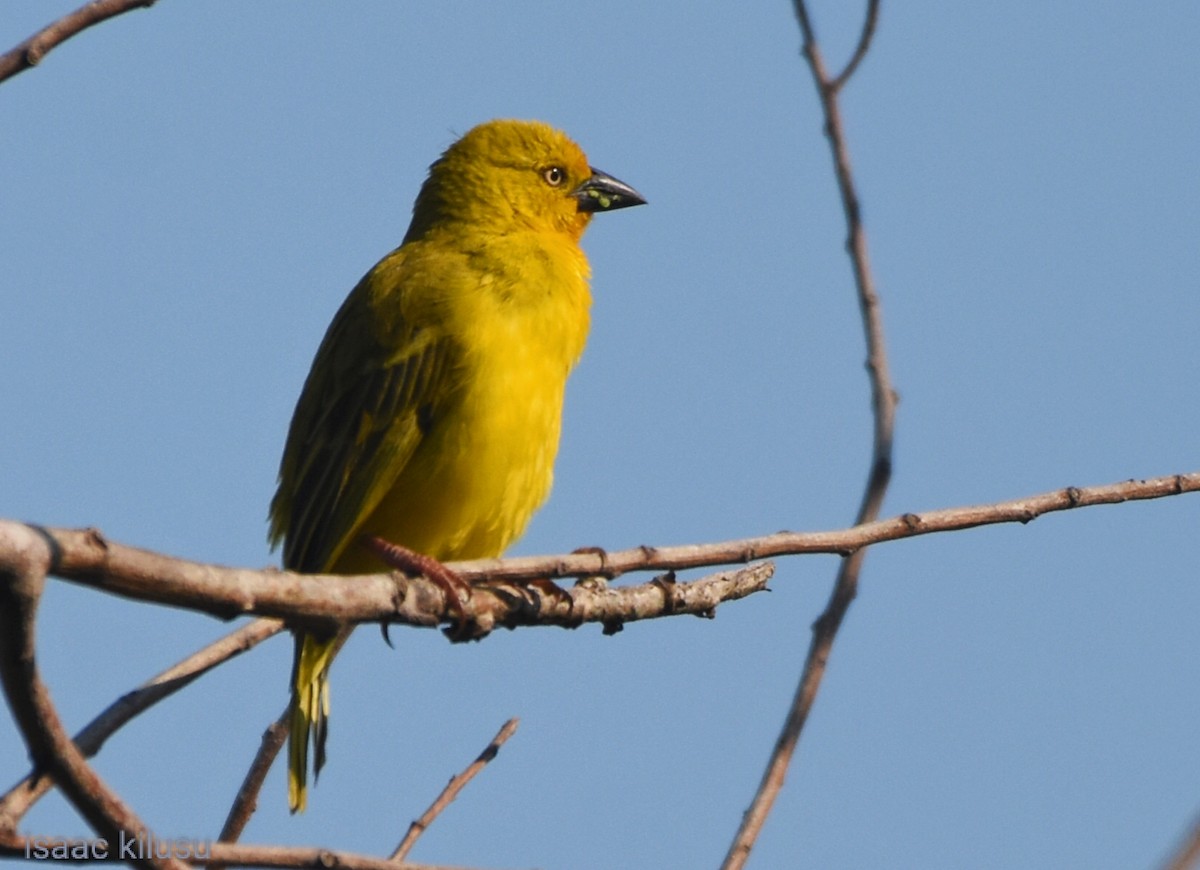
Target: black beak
[(602, 192)]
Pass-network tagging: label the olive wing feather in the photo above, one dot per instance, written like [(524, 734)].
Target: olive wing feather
[(359, 419)]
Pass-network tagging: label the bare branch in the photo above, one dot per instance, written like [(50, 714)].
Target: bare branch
[(31, 51), (883, 403), (22, 578), (450, 792), (87, 558), (842, 542), (18, 800), (870, 21), (246, 800)]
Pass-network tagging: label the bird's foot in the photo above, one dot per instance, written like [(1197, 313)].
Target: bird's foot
[(457, 590)]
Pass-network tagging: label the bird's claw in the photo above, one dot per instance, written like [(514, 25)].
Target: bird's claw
[(456, 589), (594, 551), (553, 591)]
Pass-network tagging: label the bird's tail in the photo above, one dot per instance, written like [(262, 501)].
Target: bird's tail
[(310, 712)]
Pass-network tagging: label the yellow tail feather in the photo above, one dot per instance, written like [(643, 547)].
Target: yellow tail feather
[(310, 713)]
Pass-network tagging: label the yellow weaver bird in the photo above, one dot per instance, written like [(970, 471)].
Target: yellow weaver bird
[(431, 415)]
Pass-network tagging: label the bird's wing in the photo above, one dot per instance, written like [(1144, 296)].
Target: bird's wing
[(356, 425)]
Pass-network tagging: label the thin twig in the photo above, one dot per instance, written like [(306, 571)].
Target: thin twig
[(842, 542), (883, 402), (246, 800), (18, 800), (1187, 854), (870, 22), (450, 792), (23, 572), (31, 51)]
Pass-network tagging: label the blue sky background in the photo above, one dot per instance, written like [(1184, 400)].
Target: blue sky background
[(188, 192)]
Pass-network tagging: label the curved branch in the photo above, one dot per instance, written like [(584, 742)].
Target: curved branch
[(870, 22), (23, 569), (883, 404), (31, 51), (21, 797)]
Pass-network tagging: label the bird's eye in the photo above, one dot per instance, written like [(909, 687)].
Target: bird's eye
[(554, 175)]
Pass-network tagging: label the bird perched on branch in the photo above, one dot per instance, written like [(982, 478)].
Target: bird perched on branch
[(430, 418)]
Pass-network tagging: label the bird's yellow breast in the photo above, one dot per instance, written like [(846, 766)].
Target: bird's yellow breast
[(486, 462)]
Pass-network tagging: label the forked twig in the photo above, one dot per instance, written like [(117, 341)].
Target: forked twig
[(883, 401), (450, 792)]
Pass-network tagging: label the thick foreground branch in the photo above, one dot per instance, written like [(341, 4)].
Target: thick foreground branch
[(86, 557)]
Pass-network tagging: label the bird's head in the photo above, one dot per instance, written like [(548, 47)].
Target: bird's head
[(513, 175)]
